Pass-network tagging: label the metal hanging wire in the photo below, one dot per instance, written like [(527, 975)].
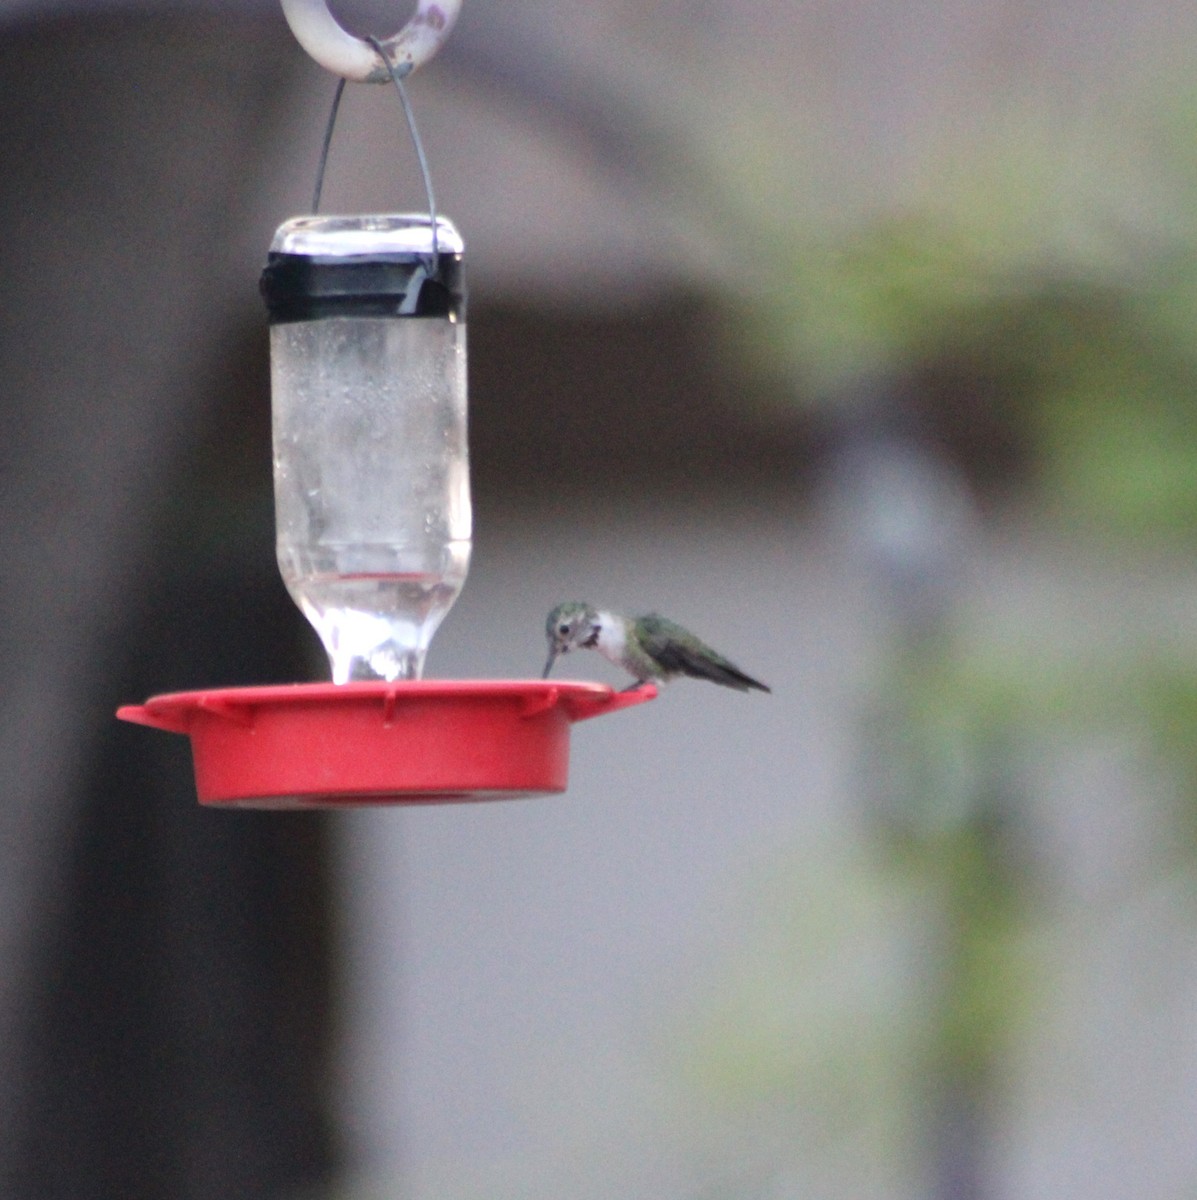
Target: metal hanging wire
[(373, 60), (328, 132)]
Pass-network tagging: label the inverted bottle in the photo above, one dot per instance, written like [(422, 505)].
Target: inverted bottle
[(371, 461)]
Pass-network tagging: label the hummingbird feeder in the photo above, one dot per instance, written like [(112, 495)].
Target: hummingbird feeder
[(372, 513)]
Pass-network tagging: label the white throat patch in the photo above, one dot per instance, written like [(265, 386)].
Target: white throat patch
[(612, 637)]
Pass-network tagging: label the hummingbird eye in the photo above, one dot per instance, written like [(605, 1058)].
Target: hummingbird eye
[(563, 629)]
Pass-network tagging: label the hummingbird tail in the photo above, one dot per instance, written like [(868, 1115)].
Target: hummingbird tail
[(731, 676), (704, 663)]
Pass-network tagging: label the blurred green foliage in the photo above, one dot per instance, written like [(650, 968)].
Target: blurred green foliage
[(1056, 264), (1052, 254)]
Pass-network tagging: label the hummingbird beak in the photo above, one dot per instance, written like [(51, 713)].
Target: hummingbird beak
[(549, 665)]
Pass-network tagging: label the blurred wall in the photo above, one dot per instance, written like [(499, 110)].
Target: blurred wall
[(154, 1040)]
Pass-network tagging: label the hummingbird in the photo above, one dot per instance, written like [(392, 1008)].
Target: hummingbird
[(651, 647)]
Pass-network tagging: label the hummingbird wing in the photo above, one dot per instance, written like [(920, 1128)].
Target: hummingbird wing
[(679, 652)]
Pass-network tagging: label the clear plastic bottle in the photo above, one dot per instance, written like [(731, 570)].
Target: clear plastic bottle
[(371, 466)]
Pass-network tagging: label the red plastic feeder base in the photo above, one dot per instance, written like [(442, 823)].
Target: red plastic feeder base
[(324, 745)]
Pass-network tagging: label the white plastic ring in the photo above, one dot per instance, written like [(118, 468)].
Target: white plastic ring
[(317, 31)]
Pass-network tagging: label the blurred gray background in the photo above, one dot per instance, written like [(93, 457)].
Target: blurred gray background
[(859, 337)]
